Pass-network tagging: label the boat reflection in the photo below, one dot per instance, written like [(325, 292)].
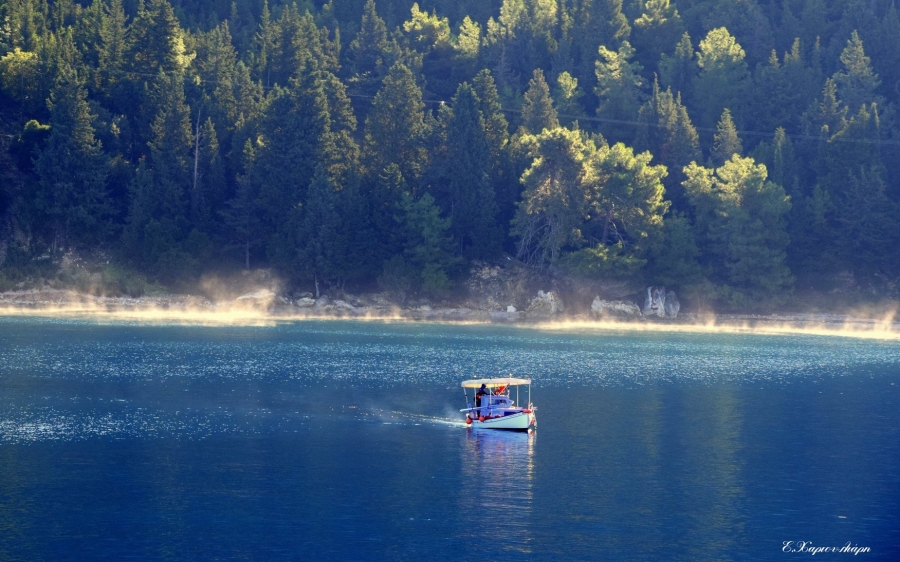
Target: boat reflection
[(498, 487)]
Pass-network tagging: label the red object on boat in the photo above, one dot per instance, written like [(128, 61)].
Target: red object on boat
[(468, 421), (526, 411), (481, 418)]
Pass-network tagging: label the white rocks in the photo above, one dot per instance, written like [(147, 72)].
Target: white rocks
[(672, 305), (305, 302), (511, 309), (622, 309), (261, 295), (545, 305), (344, 305), (661, 304)]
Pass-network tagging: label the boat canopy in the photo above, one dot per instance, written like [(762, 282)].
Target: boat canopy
[(494, 383)]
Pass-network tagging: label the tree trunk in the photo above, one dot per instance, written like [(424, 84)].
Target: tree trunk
[(247, 255), (195, 197), (606, 226), (316, 279)]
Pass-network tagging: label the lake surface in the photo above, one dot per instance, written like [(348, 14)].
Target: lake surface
[(340, 440)]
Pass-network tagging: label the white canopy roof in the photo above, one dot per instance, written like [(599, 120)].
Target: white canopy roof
[(494, 383)]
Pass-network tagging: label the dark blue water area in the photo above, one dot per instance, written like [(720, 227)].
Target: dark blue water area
[(342, 441)]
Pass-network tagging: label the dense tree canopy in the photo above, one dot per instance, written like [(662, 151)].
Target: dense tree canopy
[(730, 147)]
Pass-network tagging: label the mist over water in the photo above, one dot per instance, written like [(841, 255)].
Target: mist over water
[(341, 439)]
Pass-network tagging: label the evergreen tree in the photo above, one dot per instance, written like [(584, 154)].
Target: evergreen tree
[(674, 259), (726, 142), (464, 189), (723, 77), (619, 89), (113, 45), (208, 187), (869, 228), (319, 229), (427, 245), (367, 55), (857, 82), (155, 41), (240, 213), (667, 132), (538, 112), (555, 199), (72, 170), (656, 30), (396, 128), (626, 197), (678, 71), (741, 231), (595, 23), (782, 90)]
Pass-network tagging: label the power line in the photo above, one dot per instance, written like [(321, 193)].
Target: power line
[(634, 123)]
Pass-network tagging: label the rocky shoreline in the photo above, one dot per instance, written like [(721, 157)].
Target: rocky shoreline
[(546, 307)]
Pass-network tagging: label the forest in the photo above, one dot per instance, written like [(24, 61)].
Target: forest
[(734, 149)]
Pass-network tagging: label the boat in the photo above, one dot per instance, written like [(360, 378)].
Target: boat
[(494, 407)]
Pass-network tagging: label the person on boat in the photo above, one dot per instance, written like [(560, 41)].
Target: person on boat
[(481, 392)]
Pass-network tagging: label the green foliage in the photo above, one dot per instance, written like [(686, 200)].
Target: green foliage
[(741, 230), (71, 170), (602, 262), (181, 131), (619, 88), (538, 112), (553, 204), (427, 262), (462, 180), (28, 144), (726, 142), (723, 77), (396, 128), (673, 259)]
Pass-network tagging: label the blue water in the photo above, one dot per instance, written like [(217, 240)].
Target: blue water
[(339, 441)]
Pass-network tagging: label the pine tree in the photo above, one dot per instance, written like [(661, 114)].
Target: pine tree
[(465, 190), (619, 85), (726, 142), (595, 23), (659, 27), (72, 170), (626, 197), (367, 53), (857, 83), (869, 230), (396, 129), (668, 133), (538, 112), (427, 245), (240, 214), (155, 41), (554, 202), (319, 229), (678, 71), (740, 219), (208, 186), (723, 77), (113, 45)]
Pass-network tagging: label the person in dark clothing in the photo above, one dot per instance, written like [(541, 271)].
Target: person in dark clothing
[(481, 392)]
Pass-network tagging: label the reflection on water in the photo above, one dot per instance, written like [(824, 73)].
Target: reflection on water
[(498, 488)]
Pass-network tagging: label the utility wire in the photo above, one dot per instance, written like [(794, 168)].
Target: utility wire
[(579, 118)]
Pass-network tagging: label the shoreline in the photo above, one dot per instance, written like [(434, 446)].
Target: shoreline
[(265, 307)]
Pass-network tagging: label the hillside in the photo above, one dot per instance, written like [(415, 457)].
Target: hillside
[(743, 154)]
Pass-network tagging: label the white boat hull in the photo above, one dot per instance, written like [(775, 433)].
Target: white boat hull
[(516, 422)]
